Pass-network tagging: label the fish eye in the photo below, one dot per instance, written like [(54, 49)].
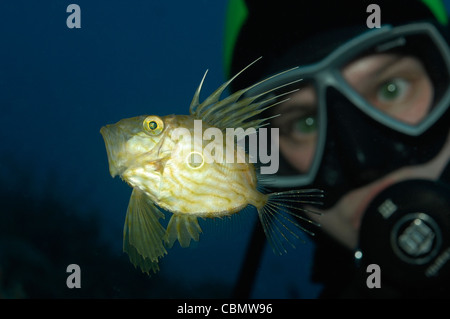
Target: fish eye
[(153, 125)]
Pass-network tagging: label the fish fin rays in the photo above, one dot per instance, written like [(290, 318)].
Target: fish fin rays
[(184, 228), (145, 264), (281, 217), (236, 110), (143, 234)]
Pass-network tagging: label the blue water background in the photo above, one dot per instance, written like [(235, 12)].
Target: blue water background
[(58, 86)]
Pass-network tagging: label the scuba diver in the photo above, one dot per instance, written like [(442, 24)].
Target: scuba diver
[(369, 124)]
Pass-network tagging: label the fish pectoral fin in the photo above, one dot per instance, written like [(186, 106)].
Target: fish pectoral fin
[(183, 227), (143, 233)]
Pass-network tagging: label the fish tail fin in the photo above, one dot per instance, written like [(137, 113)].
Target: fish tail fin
[(282, 213), (184, 228), (143, 233)]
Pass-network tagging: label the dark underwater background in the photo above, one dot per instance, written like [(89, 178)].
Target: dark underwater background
[(59, 205)]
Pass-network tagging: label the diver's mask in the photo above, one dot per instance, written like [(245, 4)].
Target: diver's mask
[(377, 103), (374, 120)]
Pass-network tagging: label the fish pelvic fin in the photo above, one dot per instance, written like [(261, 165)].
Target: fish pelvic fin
[(143, 233), (281, 216), (183, 227)]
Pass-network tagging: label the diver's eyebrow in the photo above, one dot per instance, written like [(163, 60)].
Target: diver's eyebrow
[(388, 65), (362, 72), (303, 100), (381, 67), (296, 107)]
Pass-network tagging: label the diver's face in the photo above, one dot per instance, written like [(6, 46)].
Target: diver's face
[(396, 85)]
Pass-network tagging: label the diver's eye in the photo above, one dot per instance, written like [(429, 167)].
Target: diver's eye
[(153, 125), (306, 125), (392, 90)]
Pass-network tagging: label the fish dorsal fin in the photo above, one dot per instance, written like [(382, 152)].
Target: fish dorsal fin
[(234, 111), (196, 99), (143, 234), (183, 227)]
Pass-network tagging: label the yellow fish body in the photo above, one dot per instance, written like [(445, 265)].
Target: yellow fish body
[(170, 164)]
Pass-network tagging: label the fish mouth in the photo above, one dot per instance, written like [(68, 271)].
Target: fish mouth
[(114, 141)]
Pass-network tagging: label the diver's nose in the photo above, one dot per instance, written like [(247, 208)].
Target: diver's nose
[(359, 144)]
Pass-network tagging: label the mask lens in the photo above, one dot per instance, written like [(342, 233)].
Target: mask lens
[(298, 125), (405, 78)]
